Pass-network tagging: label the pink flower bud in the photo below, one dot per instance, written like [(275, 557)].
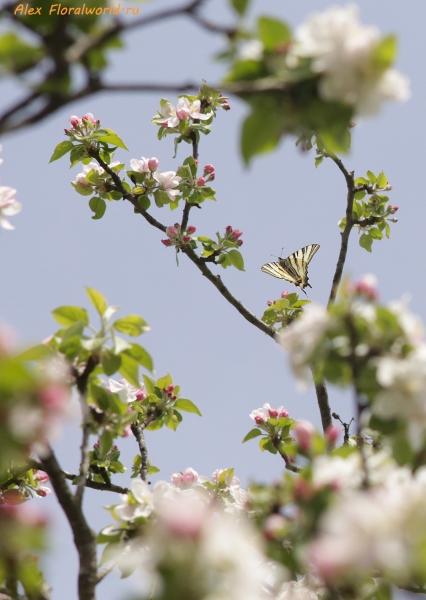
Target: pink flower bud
[(284, 294), (176, 479), (66, 131), (96, 444), (304, 432), (41, 476), (191, 229), (141, 395), (166, 242), (212, 177), (190, 476), (393, 209), (115, 447), (237, 233), (389, 187), (164, 124), (89, 117), (127, 431), (187, 238), (177, 225), (153, 164), (273, 413), (209, 169), (196, 161), (174, 397), (269, 303), (53, 396), (74, 121), (171, 387), (332, 433), (225, 105), (201, 181), (302, 490), (366, 286), (42, 493), (169, 394), (228, 228), (240, 242), (258, 420), (182, 114), (171, 232), (283, 413)]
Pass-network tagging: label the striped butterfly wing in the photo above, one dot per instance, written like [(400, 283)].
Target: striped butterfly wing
[(294, 268)]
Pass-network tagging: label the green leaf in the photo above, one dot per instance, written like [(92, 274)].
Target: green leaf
[(68, 315), (360, 195), (101, 396), (187, 406), (152, 470), (273, 32), (382, 180), (253, 433), (385, 52), (110, 363), (318, 161), (105, 443), (371, 177), (132, 325), (144, 202), (97, 300), (260, 132), (165, 381), (157, 424), (240, 6), (149, 384), (142, 356), (98, 206), (161, 198), (129, 369), (236, 259), (365, 241), (60, 150), (112, 138), (375, 233), (38, 353)]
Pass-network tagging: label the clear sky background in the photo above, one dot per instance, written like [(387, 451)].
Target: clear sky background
[(224, 364)]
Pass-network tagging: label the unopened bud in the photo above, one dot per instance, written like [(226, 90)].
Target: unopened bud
[(283, 413), (284, 294), (166, 242), (74, 121), (140, 395), (393, 208), (269, 303), (258, 420), (273, 413), (304, 432), (191, 229), (209, 169), (240, 242), (171, 232), (237, 233), (201, 181), (332, 433), (89, 117), (186, 238), (212, 177), (228, 228), (153, 164)]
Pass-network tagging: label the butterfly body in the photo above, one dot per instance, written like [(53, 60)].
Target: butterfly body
[(294, 268)]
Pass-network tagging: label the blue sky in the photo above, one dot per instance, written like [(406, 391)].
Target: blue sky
[(225, 365)]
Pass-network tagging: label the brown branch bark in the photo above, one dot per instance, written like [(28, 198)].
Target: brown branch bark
[(84, 537)]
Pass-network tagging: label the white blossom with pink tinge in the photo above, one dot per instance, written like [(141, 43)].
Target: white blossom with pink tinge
[(9, 206), (168, 181)]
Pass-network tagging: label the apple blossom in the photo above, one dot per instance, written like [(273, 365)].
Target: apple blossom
[(171, 232), (304, 431), (125, 390), (209, 169), (138, 504), (168, 181), (201, 181), (297, 590), (9, 206), (153, 163), (191, 229), (140, 166)]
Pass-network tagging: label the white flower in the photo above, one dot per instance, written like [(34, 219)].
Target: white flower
[(81, 177), (296, 590), (251, 50), (141, 166), (140, 504), (302, 336), (168, 180), (124, 390), (193, 109), (170, 116), (342, 49), (404, 396), (381, 529), (9, 206), (167, 115)]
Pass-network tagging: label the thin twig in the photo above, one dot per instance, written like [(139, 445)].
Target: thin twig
[(323, 404), (276, 442), (139, 435), (349, 177), (84, 538)]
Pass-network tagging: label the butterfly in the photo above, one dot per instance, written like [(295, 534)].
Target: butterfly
[(294, 268)]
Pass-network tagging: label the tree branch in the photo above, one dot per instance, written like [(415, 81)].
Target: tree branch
[(84, 538), (349, 177), (137, 431)]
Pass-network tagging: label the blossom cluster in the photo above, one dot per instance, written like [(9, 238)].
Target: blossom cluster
[(178, 237)]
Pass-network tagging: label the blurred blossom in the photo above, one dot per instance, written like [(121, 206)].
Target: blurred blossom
[(9, 206), (251, 50), (343, 51), (302, 336), (304, 589), (381, 529), (137, 504)]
